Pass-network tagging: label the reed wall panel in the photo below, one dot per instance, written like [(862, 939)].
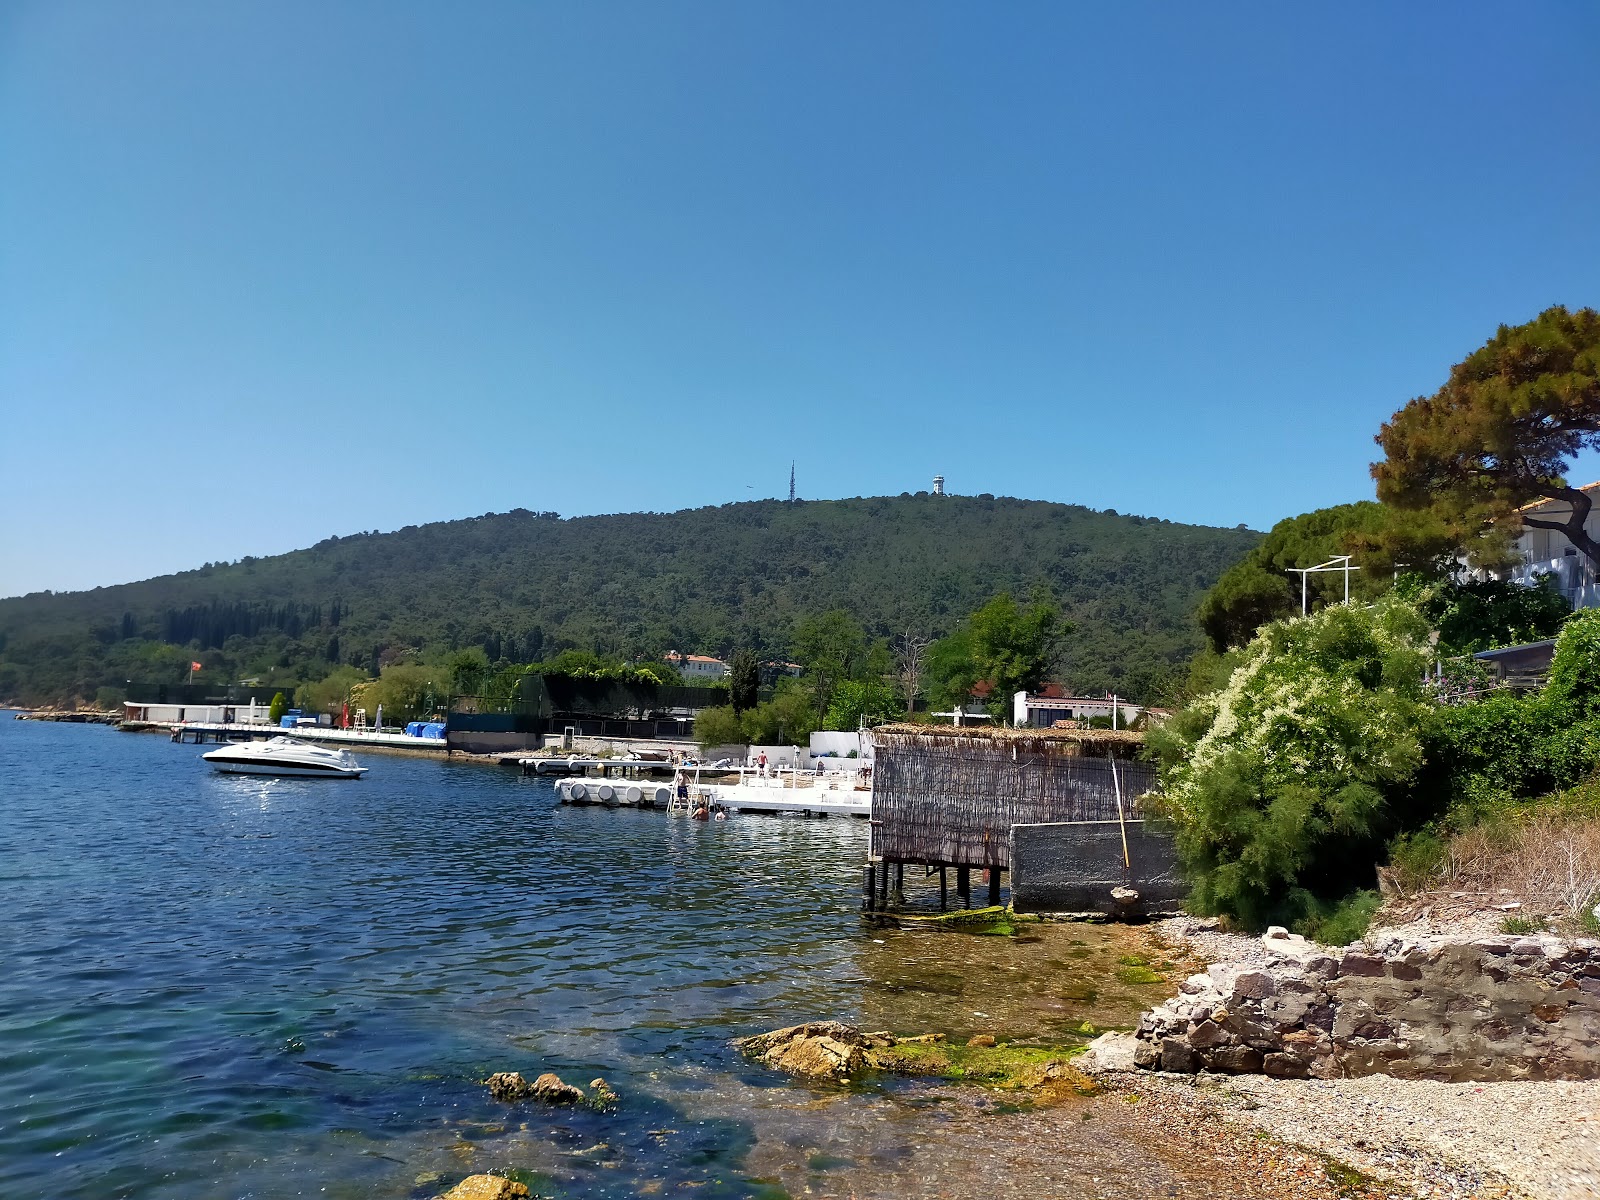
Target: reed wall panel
[(954, 799)]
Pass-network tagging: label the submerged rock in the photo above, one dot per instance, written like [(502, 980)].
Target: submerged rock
[(816, 1050), (486, 1187), (552, 1089), (509, 1087)]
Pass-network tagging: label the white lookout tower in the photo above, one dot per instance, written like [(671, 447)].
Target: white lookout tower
[(938, 485)]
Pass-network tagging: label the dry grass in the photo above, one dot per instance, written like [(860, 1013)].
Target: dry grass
[(1064, 740), (1547, 860)]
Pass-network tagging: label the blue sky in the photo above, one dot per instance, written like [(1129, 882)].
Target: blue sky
[(372, 264)]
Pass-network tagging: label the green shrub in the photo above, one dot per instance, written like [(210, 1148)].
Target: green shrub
[(1522, 925), (1575, 667), (277, 708), (1506, 749), (1280, 782), (1342, 922), (1589, 919), (1417, 858), (718, 727)]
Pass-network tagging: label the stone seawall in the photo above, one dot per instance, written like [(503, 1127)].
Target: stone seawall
[(1492, 1009)]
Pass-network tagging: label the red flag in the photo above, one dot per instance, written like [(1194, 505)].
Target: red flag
[(194, 666), (344, 717)]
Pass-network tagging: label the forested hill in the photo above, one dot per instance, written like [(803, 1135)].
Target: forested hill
[(526, 585)]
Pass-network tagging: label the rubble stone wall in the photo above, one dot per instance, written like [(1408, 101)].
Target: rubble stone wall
[(1492, 1009)]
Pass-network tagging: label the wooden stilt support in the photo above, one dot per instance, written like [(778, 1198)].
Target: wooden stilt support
[(964, 886), (994, 887), (868, 886), (899, 885), (944, 890), (883, 886)]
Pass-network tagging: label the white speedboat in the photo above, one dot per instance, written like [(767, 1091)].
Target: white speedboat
[(284, 756)]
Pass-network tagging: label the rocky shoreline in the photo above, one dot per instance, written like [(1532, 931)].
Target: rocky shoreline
[(1278, 1090), (1509, 1028), (1484, 1010)]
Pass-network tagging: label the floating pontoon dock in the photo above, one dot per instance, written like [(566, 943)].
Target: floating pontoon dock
[(200, 732), (782, 792)]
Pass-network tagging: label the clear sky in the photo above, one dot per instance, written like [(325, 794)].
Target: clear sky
[(274, 271)]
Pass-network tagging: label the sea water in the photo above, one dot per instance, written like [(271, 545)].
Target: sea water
[(221, 985)]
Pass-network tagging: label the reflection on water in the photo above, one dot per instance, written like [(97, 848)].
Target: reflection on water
[(223, 985)]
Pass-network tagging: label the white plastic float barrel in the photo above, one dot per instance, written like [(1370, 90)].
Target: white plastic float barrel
[(577, 792), (607, 793), (634, 794), (663, 795)]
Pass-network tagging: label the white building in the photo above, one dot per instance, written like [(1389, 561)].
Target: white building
[(1549, 552), (697, 668), (250, 713), (1042, 711)]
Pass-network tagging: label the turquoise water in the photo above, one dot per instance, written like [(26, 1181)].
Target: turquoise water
[(231, 986)]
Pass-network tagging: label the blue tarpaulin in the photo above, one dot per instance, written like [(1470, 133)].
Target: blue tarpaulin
[(427, 729)]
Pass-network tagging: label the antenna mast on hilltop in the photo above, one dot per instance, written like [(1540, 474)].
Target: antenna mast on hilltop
[(791, 481)]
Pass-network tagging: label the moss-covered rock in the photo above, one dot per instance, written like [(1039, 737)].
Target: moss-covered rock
[(997, 920), (835, 1051)]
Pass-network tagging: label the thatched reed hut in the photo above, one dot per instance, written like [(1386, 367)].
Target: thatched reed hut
[(946, 795)]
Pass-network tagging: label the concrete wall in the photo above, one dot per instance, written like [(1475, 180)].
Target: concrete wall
[(1491, 1009), (471, 742), (1072, 867), (777, 756), (840, 745)]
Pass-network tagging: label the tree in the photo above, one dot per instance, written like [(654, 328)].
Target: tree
[(718, 726), (1259, 588), (787, 719), (407, 692), (468, 668), (330, 693), (744, 680), (1500, 435), (830, 647), (277, 708), (1003, 645), (1483, 614), (911, 659), (856, 701)]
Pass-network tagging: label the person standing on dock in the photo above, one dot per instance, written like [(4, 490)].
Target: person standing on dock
[(761, 765)]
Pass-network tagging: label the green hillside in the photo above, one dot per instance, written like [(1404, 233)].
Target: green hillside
[(527, 585)]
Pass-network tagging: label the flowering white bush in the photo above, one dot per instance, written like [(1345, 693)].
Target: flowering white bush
[(1279, 777)]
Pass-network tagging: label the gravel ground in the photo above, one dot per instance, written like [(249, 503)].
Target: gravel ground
[(1542, 1137), (1452, 1140), (1206, 943), (1316, 1120), (1539, 1140)]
